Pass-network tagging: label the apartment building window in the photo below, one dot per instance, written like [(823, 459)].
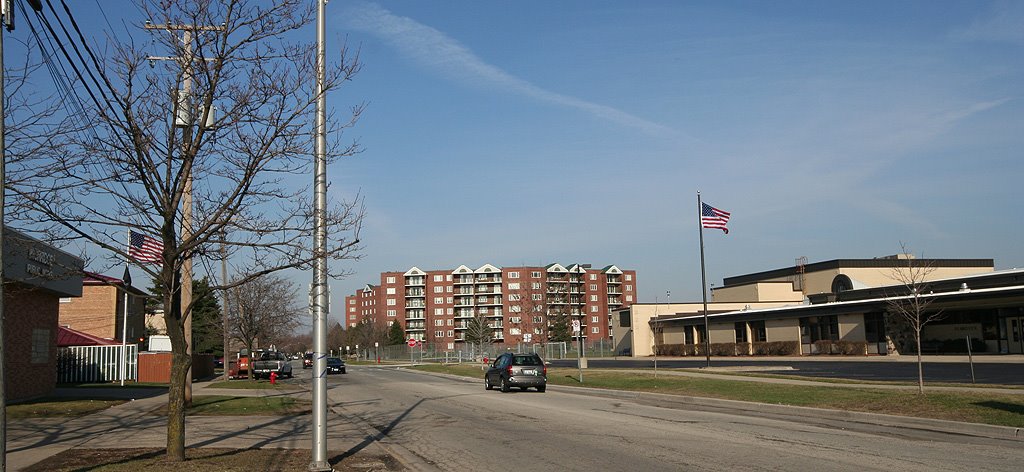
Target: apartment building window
[(629, 298), (351, 309), (350, 302), (595, 330), (438, 334), (513, 275), (535, 286), (438, 300), (438, 311), (593, 319), (351, 317), (514, 297), (537, 331), (391, 280), (391, 302), (593, 276), (629, 288), (536, 297), (438, 322), (392, 313), (438, 278), (515, 308), (451, 333), (629, 278), (535, 275), (390, 291), (450, 311), (513, 286), (593, 287), (438, 289), (449, 289), (450, 299), (593, 308), (449, 322), (538, 319)]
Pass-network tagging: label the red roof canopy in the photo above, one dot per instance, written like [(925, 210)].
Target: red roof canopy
[(69, 337)]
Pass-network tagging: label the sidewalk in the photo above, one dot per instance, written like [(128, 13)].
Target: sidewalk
[(132, 424)]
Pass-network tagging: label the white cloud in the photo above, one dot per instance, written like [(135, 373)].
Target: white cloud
[(1004, 23), (435, 50)]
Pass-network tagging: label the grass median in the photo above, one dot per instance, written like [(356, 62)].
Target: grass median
[(988, 408)]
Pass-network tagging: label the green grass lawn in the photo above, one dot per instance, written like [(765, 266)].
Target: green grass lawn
[(988, 408), (59, 407), (225, 405), (246, 384)]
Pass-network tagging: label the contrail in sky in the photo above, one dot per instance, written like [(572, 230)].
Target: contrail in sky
[(436, 50)]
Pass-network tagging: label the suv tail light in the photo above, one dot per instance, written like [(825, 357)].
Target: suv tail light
[(510, 370), (545, 370)]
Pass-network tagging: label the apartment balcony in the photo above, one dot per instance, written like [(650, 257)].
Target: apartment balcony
[(463, 302), (464, 291), (415, 304), (614, 291), (460, 280), (614, 301), (489, 301), (488, 280), (613, 279), (488, 289), (415, 281), (416, 292), (414, 329), (464, 314)]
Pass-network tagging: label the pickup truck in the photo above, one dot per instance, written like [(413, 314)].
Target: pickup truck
[(271, 361)]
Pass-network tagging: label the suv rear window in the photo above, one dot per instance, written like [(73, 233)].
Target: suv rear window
[(526, 360)]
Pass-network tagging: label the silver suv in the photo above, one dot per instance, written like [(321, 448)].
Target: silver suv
[(517, 370)]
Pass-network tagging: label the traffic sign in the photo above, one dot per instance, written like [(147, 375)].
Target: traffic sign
[(412, 342)]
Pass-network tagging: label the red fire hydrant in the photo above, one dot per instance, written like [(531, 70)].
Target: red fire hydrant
[(273, 378)]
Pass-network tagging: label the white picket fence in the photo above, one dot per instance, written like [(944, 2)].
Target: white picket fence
[(83, 364)]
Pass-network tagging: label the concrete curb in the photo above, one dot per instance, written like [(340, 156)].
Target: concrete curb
[(893, 421)]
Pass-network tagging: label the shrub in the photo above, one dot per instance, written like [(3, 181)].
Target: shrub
[(723, 349)]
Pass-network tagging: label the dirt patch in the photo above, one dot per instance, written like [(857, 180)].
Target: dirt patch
[(210, 459)]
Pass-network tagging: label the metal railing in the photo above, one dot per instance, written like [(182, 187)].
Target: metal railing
[(78, 364)]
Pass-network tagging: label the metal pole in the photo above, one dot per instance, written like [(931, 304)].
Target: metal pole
[(124, 334), (319, 452), (970, 358), (703, 284), (3, 317)]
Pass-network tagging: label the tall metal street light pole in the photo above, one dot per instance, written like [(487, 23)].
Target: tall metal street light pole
[(319, 450)]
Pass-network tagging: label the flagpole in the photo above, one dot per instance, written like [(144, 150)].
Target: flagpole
[(124, 324), (703, 283)]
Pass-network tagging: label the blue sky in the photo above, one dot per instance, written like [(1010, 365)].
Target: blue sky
[(536, 132)]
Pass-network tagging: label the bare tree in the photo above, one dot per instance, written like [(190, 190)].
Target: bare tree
[(151, 148), (527, 305), (478, 331), (910, 308), (264, 311)]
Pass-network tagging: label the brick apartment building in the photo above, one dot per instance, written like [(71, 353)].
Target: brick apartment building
[(36, 276), (517, 302), (100, 309)]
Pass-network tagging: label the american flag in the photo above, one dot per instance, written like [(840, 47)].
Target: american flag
[(143, 248), (711, 217)]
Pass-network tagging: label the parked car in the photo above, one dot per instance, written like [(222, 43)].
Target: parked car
[(307, 361), (335, 365), (269, 362), (517, 370)]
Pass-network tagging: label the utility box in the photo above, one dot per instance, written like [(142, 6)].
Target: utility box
[(159, 343)]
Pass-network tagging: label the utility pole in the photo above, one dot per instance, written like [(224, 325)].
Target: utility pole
[(319, 461), (224, 312), (185, 120)]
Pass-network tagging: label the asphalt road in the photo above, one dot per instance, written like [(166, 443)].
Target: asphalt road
[(985, 373), (439, 423)]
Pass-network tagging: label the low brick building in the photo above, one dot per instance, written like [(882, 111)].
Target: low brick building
[(36, 276), (100, 309)]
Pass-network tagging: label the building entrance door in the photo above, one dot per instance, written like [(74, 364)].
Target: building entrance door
[(1015, 329)]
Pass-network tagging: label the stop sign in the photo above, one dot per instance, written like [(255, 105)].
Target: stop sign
[(412, 342)]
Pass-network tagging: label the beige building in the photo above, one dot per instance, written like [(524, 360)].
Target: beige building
[(836, 306), (100, 309)]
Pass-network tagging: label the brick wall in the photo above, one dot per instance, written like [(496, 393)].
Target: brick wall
[(100, 312), (31, 315)]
